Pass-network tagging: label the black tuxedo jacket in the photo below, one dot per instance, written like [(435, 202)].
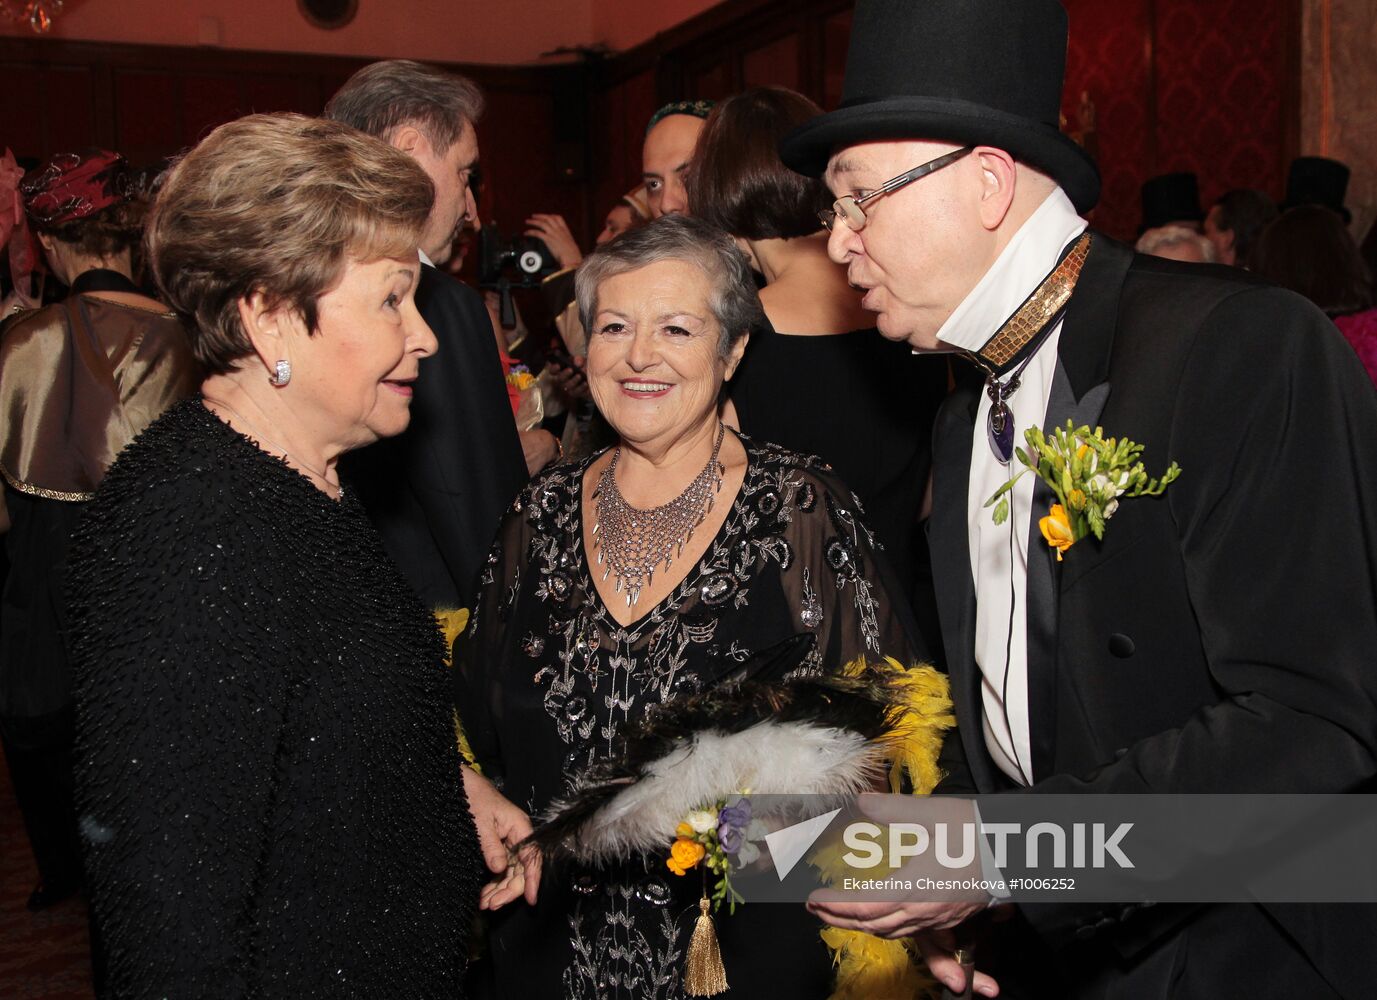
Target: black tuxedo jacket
[(1222, 637), (437, 491)]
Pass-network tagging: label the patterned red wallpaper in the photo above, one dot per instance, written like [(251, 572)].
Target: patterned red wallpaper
[(1178, 85)]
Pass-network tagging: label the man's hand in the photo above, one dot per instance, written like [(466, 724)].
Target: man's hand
[(571, 382), (938, 948), (555, 232), (501, 827), (891, 919), (929, 924), (539, 448)]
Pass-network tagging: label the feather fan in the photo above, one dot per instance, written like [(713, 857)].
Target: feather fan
[(808, 735)]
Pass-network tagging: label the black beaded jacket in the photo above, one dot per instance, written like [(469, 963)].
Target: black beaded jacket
[(267, 777)]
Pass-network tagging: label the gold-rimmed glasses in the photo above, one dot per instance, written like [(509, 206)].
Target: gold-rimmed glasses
[(848, 208)]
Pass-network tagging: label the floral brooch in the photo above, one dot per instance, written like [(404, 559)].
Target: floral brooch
[(1089, 473)]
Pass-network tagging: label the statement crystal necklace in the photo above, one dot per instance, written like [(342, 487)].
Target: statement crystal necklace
[(631, 543)]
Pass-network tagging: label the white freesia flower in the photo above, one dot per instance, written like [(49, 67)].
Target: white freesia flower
[(1110, 508), (1099, 484), (748, 854), (702, 820)]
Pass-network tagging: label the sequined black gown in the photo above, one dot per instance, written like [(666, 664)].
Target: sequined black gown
[(547, 679), (267, 776)]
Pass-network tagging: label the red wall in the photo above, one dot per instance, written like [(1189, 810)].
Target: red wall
[(150, 102), (469, 31), (1195, 85), (1204, 85)]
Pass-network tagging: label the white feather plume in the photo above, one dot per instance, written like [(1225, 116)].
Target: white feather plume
[(769, 758)]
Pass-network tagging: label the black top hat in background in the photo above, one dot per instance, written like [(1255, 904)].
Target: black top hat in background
[(985, 72), (1170, 198), (1317, 180)]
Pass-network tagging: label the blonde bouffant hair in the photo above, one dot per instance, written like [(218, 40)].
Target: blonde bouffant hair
[(277, 205)]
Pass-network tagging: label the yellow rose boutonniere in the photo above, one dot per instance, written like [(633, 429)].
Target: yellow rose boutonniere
[(1089, 474)]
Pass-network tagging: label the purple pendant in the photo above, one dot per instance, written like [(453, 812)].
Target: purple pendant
[(999, 428)]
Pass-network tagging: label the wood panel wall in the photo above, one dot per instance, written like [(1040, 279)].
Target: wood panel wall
[(149, 102)]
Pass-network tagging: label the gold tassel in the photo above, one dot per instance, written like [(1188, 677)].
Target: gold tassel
[(704, 976)]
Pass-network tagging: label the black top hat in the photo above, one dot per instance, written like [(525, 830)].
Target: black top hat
[(1317, 180), (1170, 198), (987, 72)]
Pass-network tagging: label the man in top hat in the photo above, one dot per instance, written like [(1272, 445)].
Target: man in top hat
[(1171, 200), (1318, 180), (1220, 638)]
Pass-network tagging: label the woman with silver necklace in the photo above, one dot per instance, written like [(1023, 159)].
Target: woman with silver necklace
[(659, 568)]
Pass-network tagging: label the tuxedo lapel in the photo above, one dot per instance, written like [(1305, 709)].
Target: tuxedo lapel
[(1087, 334), (949, 544), (1080, 391), (1044, 576)]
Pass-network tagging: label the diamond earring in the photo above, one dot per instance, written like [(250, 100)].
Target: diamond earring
[(283, 375)]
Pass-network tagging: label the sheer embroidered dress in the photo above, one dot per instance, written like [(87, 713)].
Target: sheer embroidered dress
[(547, 680)]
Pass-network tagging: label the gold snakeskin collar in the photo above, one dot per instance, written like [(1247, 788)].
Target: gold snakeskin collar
[(1047, 300)]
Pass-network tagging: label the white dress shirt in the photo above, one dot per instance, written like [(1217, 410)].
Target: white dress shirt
[(999, 553)]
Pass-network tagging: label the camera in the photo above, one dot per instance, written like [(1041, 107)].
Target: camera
[(505, 263), (522, 260)]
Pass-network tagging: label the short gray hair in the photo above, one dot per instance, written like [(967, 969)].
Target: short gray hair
[(733, 299), (384, 96), (1154, 241)]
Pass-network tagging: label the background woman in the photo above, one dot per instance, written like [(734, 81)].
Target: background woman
[(1309, 250), (78, 380), (266, 764), (818, 378), (649, 571)]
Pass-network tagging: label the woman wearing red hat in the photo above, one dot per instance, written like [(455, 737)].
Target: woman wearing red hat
[(78, 380)]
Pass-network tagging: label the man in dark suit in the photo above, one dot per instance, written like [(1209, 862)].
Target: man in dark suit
[(437, 492), (1221, 637)]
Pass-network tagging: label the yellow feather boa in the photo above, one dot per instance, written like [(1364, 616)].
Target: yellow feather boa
[(452, 622), (868, 967)]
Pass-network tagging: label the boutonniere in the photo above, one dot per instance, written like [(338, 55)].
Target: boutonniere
[(1089, 473)]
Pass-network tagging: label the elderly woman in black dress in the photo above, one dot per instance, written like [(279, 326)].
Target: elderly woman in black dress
[(651, 571), (268, 781)]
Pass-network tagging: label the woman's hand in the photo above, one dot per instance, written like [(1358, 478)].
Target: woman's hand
[(502, 827)]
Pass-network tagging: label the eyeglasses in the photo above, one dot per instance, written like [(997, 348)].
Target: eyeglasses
[(849, 210)]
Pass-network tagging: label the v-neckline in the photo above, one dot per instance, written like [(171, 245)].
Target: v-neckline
[(632, 630)]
